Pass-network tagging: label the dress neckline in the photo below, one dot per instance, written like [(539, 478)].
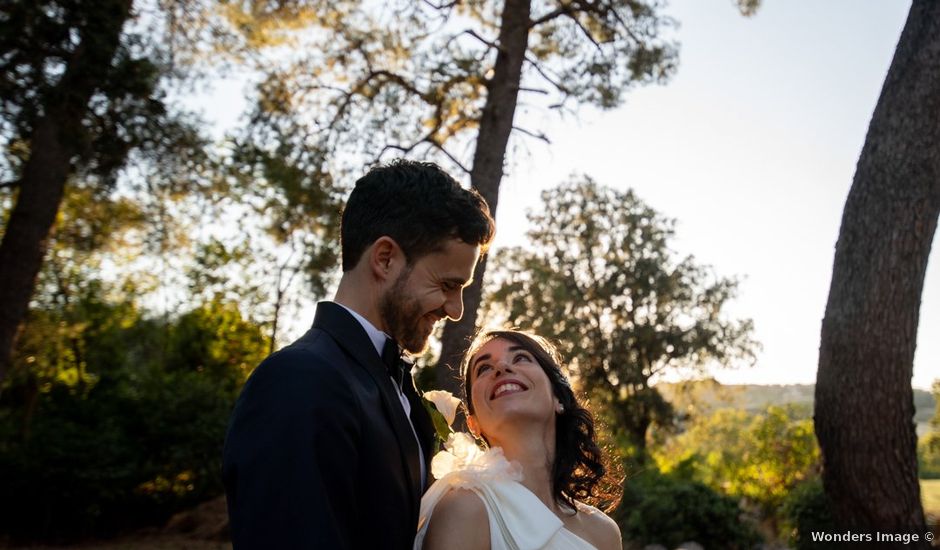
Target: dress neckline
[(563, 526), (462, 462)]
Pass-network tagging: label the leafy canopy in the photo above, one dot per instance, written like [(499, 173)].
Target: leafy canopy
[(599, 277), (358, 81)]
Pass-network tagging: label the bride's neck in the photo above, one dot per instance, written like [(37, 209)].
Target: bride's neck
[(534, 450)]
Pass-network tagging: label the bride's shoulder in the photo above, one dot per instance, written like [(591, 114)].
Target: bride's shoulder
[(603, 530), (460, 515), (461, 502)]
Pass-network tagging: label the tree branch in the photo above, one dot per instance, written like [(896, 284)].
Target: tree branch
[(533, 90), (404, 149), (626, 28), (452, 158), (442, 5), (587, 33), (538, 68), (554, 14), (539, 136), (389, 77), (488, 43), (426, 138), (491, 44), (430, 141), (583, 7)]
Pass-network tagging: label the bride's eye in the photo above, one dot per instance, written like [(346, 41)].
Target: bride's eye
[(521, 356), (482, 368)]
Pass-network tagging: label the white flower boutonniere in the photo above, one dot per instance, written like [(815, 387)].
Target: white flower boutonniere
[(442, 407)]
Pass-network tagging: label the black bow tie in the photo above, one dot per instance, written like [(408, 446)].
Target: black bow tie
[(396, 364)]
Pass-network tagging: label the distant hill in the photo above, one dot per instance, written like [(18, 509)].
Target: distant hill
[(704, 396)]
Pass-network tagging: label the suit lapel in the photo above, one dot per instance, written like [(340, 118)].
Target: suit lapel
[(421, 421), (351, 336)]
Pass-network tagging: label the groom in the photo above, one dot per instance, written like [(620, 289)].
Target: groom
[(329, 444)]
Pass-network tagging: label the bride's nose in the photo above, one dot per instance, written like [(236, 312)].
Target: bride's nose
[(503, 366)]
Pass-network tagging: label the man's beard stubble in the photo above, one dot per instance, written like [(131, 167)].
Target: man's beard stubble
[(403, 316)]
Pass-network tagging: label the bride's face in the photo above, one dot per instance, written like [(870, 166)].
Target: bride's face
[(508, 386)]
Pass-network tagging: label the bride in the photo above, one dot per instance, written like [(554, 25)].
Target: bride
[(542, 457)]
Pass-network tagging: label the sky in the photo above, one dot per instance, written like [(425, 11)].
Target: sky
[(751, 147)]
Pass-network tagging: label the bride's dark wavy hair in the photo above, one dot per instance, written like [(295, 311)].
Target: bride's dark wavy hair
[(578, 471)]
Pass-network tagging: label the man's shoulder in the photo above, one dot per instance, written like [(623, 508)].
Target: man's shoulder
[(311, 372), (316, 354), (317, 348)]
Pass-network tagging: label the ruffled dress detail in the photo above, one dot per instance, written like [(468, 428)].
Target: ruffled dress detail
[(518, 519)]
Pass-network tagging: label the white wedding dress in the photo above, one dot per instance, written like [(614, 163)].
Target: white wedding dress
[(518, 519)]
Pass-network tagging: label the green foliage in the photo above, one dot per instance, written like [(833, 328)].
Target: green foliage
[(215, 339), (111, 419), (928, 456), (412, 78), (705, 396), (930, 498), (748, 7), (759, 457), (364, 81), (928, 447), (668, 510), (598, 276), (298, 203), (128, 111), (804, 510), (136, 438), (925, 409)]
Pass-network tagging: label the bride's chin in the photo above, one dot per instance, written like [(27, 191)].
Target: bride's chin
[(519, 419)]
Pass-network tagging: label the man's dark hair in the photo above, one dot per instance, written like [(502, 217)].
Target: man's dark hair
[(418, 205)]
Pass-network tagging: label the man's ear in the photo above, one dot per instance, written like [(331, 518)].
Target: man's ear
[(385, 258)]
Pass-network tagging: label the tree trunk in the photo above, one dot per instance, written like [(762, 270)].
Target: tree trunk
[(637, 432), (864, 401), (488, 159), (55, 141)]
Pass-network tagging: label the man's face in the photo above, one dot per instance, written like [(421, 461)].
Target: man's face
[(427, 291)]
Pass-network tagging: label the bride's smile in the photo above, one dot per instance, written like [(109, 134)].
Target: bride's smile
[(507, 387)]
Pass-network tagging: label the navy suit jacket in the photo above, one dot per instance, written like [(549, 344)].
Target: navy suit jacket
[(319, 452)]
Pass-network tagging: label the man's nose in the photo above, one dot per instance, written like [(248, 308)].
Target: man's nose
[(453, 307)]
